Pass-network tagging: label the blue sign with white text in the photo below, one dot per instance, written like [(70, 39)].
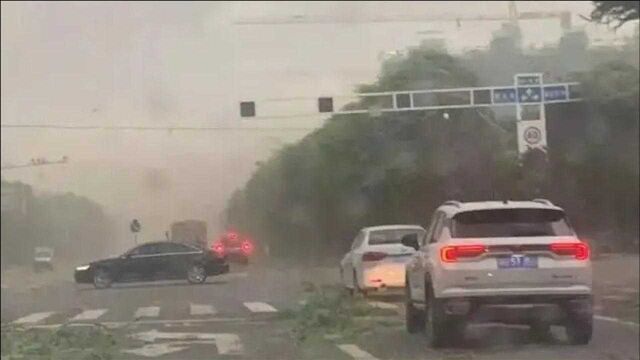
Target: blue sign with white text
[(553, 93), (529, 94), (504, 95)]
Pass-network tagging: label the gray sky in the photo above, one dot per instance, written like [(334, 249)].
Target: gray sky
[(186, 64)]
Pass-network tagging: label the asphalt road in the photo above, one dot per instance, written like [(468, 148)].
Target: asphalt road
[(237, 316)]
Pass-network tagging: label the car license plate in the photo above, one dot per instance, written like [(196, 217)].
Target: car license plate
[(518, 262)]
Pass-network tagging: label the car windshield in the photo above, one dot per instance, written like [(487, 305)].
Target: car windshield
[(391, 236), (319, 133), (510, 223)]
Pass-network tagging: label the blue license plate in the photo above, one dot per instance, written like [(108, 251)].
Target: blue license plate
[(518, 262)]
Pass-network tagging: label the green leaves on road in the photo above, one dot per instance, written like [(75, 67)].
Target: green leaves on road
[(63, 343)]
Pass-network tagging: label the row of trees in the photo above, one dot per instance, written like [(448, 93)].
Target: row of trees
[(74, 226), (311, 198)]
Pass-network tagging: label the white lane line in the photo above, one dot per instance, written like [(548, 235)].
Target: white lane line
[(149, 311), (355, 352), (89, 315), (181, 322), (259, 307), (33, 318), (618, 321), (197, 309), (383, 305)]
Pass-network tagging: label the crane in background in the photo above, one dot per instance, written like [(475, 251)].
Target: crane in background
[(513, 17)]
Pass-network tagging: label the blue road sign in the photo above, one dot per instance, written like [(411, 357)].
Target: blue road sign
[(532, 94), (554, 93), (504, 95), (528, 80)]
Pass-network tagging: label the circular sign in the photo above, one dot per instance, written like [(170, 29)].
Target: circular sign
[(532, 135)]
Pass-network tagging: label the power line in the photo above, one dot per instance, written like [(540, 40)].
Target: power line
[(150, 128)]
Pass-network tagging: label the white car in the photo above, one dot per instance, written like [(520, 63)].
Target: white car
[(377, 258), (516, 262), (43, 258)]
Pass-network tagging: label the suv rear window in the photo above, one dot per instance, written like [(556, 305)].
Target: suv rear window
[(510, 223), (392, 236)]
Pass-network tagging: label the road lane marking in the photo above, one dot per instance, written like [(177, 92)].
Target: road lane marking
[(227, 344), (355, 352), (33, 318), (383, 305), (89, 315), (259, 307), (197, 309), (614, 320), (182, 322), (149, 311), (155, 350)]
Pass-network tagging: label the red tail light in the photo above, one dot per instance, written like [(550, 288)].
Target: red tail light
[(218, 248), (373, 256), (247, 247), (579, 250), (454, 252)]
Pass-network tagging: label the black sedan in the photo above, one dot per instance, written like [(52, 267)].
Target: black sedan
[(154, 261)]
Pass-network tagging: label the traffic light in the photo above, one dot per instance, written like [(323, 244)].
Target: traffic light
[(247, 109), (325, 104)]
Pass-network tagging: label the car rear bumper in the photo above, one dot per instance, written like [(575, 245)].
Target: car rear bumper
[(520, 309), (571, 290), (383, 275)]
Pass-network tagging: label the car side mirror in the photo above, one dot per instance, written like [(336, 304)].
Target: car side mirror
[(410, 240)]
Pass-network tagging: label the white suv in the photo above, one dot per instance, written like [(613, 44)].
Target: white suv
[(516, 262)]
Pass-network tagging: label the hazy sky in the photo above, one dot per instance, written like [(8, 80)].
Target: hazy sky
[(187, 64)]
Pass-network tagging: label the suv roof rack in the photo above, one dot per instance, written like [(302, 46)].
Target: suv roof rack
[(543, 201), (453, 203)]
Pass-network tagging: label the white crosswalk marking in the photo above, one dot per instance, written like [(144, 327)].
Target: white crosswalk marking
[(383, 305), (33, 318), (89, 315), (355, 352), (259, 307), (197, 309), (149, 311)]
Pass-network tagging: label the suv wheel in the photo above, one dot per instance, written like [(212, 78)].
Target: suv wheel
[(196, 274), (579, 329), (414, 318), (441, 330), (102, 279)]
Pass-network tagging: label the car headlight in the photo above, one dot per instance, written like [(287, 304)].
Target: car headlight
[(82, 268)]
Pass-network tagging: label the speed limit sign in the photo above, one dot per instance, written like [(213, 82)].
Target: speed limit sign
[(532, 134)]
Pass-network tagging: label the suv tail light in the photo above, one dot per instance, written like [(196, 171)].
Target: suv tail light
[(454, 252), (579, 250), (218, 248), (373, 256), (246, 247)]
